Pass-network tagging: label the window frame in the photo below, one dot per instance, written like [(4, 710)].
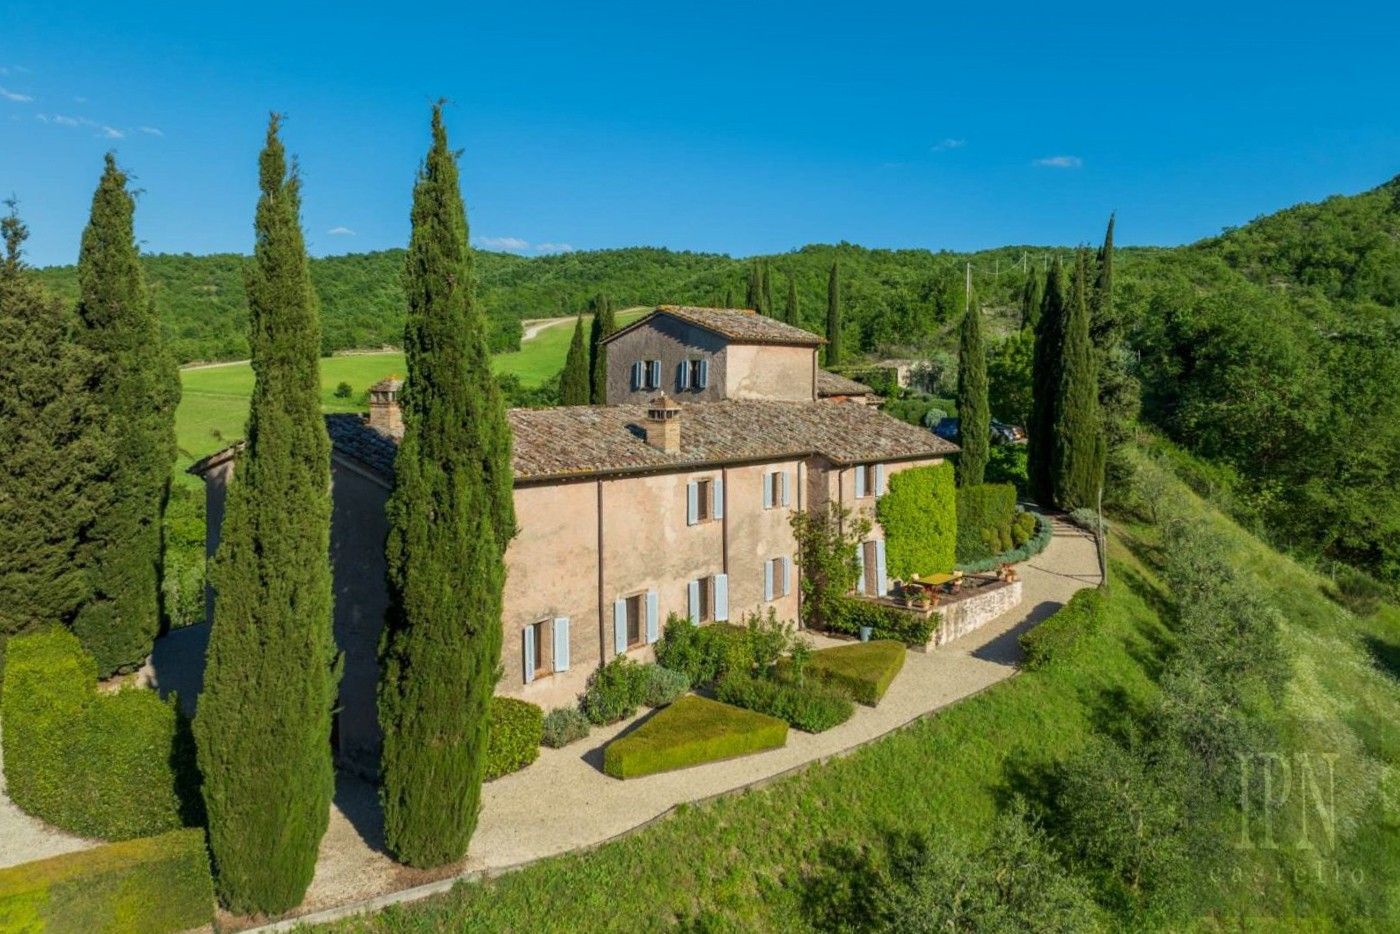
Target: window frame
[(707, 600), (543, 629), (704, 500), (639, 602)]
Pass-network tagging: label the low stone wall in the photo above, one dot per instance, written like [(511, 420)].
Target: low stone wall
[(962, 615)]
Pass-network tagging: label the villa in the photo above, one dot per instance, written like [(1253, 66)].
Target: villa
[(674, 500)]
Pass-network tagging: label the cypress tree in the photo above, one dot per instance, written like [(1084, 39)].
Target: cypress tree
[(1032, 296), (1078, 433), (1118, 388), (263, 728), (574, 383), (1045, 381), (792, 314), (729, 296), (50, 449), (753, 298), (604, 323), (974, 413), (767, 290), (448, 529), (833, 317)]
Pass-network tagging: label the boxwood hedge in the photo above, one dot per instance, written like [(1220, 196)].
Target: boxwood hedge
[(513, 738), (692, 731), (864, 671)]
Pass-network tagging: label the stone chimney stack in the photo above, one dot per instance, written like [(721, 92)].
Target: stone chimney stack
[(384, 413), (664, 425)]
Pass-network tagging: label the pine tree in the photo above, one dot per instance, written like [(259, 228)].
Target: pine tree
[(604, 323), (136, 387), (51, 449), (448, 531), (263, 729), (574, 388), (974, 415), (1045, 381), (833, 318), (1032, 297), (792, 314), (1078, 434)]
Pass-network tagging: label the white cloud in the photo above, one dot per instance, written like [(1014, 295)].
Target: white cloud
[(945, 145), (61, 120), (553, 248), (341, 232), (150, 131), (503, 243), (15, 96), (1060, 162), (110, 132)]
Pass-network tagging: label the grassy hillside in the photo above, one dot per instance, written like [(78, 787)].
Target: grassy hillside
[(795, 854)]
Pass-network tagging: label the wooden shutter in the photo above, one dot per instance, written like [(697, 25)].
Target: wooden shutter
[(704, 374), (767, 581), (653, 618), (683, 374), (786, 500), (721, 598), (620, 626), (692, 503), (860, 563), (529, 653), (561, 643), (637, 375), (879, 480), (655, 381), (717, 498), (880, 581), (768, 490), (787, 576), (693, 594), (860, 481)]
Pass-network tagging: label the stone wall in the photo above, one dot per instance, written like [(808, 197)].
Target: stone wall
[(974, 611)]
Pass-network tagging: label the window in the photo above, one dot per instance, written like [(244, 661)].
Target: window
[(705, 600), (775, 489), (870, 480), (704, 500), (646, 374), (541, 634), (777, 578), (709, 599), (636, 614)]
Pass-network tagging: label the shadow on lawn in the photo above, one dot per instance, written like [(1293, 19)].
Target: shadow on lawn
[(1386, 655)]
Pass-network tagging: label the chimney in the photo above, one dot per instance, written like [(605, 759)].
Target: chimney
[(664, 425), (384, 413)]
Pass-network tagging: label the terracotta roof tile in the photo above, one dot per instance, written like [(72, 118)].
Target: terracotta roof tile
[(834, 384), (740, 325)]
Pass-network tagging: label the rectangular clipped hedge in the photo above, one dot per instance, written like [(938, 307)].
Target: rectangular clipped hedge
[(150, 885), (692, 731), (864, 671), (1058, 636)]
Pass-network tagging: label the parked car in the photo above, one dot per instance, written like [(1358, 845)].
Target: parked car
[(947, 429), (1001, 432)]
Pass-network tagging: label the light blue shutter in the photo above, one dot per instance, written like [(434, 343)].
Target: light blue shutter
[(768, 490), (860, 481), (718, 489), (529, 653), (787, 576), (637, 375), (655, 374), (620, 626), (683, 374), (704, 374), (879, 479), (692, 503), (693, 592), (767, 581), (860, 563), (721, 598), (880, 580), (561, 643), (786, 500), (653, 618)]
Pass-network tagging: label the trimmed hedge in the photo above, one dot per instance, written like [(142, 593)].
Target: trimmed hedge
[(513, 736), (150, 885), (113, 766), (809, 706), (887, 622), (985, 514), (692, 731), (1060, 635), (919, 513), (1024, 552), (863, 671), (563, 726)]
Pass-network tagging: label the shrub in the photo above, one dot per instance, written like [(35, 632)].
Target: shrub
[(692, 731), (563, 726), (701, 653), (344, 390), (827, 540), (1087, 519), (514, 730), (886, 622), (808, 706), (1023, 552), (920, 516), (663, 686), (1358, 591), (984, 515), (614, 691), (1057, 636), (152, 884), (863, 671), (114, 766)]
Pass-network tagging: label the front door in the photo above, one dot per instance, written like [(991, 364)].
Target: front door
[(870, 568)]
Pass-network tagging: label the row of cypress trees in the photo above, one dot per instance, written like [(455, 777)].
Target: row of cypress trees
[(584, 379), (87, 441)]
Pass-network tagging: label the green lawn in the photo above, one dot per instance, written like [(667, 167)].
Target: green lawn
[(751, 860), (214, 406)]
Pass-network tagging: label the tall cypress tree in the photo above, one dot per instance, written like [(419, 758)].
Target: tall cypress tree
[(263, 729), (1119, 392), (50, 449), (136, 387), (1032, 297), (833, 317), (1045, 382), (792, 314), (604, 323), (767, 289), (729, 296), (974, 413), (574, 383), (753, 298), (1078, 433), (448, 529)]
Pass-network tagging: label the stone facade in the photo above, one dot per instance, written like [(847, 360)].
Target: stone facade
[(960, 617)]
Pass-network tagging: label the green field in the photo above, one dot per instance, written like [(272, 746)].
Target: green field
[(214, 405)]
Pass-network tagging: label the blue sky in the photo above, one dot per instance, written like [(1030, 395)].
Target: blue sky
[(733, 127)]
